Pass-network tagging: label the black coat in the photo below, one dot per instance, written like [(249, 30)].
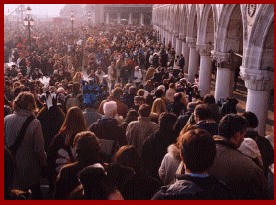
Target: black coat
[(195, 188)]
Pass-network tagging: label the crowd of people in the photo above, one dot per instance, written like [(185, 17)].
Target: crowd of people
[(105, 113)]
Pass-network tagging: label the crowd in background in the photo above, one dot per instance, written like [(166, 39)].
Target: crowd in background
[(106, 113)]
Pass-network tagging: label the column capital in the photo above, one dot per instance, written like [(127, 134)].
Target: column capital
[(257, 80), (222, 59), (176, 34), (191, 42), (204, 49)]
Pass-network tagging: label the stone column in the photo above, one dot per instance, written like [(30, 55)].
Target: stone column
[(185, 51), (107, 18), (178, 46), (205, 70), (193, 59), (174, 39), (166, 38), (130, 19), (119, 18), (142, 19), (222, 89), (259, 84)]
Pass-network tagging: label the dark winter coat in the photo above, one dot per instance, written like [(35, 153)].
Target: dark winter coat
[(195, 188)]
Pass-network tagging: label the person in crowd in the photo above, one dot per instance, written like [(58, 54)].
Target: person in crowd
[(181, 62), (150, 72), (155, 146), (91, 115), (198, 152), (61, 149), (128, 97), (116, 96), (112, 74), (203, 119), (159, 105), (177, 107), (27, 146), (137, 76), (87, 148), (138, 131), (170, 92), (230, 106), (240, 173), (95, 185), (108, 127), (209, 100), (267, 151), (140, 186), (75, 98)]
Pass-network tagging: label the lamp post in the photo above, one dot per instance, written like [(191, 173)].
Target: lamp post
[(72, 20), (28, 21), (89, 20)]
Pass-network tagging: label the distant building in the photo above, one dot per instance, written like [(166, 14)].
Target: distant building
[(136, 14)]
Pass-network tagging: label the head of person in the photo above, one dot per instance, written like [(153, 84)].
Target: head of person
[(73, 123), (110, 109), (198, 150), (137, 68), (209, 99), (86, 144), (202, 112), (95, 183), (132, 90), (113, 64), (76, 87), (159, 93), (172, 86), (167, 121), (117, 93), (144, 110), (128, 156), (251, 118), (233, 127), (24, 101), (177, 97)]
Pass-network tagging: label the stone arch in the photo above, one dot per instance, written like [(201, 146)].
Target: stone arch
[(183, 20), (261, 29), (192, 22), (206, 25), (222, 39)]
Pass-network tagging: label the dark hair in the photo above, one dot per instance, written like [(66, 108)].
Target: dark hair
[(251, 118), (209, 99), (144, 110), (128, 156), (231, 124), (177, 97), (76, 87), (24, 100), (95, 183), (158, 93), (203, 112), (198, 150), (132, 90), (167, 121), (117, 92)]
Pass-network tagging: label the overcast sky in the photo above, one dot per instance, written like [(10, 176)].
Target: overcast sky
[(37, 9)]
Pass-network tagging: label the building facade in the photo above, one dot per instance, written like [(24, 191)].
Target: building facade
[(233, 36)]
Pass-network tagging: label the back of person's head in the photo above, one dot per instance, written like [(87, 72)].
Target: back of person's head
[(95, 184), (144, 110), (140, 92), (24, 100), (166, 121), (252, 119), (158, 93), (132, 113), (209, 99), (161, 87), (177, 97), (128, 156), (198, 150), (117, 93), (86, 144), (110, 109), (202, 112), (132, 90), (231, 124), (172, 85), (74, 121)]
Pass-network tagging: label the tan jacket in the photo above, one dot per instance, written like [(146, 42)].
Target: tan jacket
[(138, 131)]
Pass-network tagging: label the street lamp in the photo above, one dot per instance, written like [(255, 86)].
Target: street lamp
[(72, 20), (28, 21), (89, 19)]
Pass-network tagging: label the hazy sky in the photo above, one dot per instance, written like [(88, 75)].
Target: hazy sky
[(37, 9)]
